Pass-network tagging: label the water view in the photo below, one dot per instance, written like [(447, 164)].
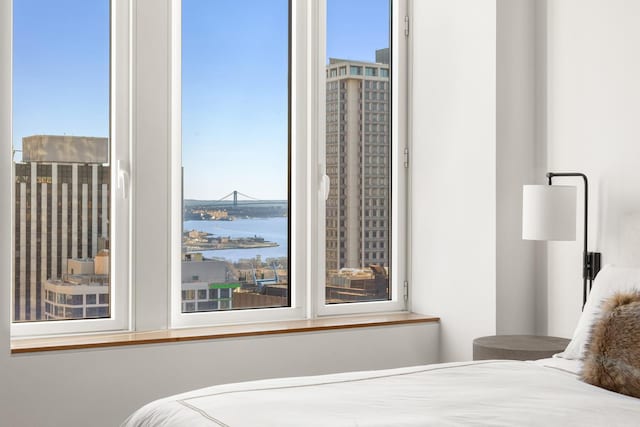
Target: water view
[(270, 229)]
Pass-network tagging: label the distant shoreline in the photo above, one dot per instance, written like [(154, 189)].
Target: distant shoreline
[(200, 248), (199, 241), (228, 211), (272, 230)]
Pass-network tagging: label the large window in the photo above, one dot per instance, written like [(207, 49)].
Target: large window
[(225, 162), (358, 151), (62, 166), (61, 157), (235, 154)]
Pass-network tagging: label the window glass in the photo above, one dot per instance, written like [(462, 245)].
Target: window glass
[(358, 33), (61, 82), (235, 151)]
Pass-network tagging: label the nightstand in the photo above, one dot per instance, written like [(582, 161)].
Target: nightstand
[(517, 347)]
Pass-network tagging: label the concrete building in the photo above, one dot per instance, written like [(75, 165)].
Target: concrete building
[(205, 286), (355, 284), (357, 158), (82, 293), (209, 285), (61, 212)]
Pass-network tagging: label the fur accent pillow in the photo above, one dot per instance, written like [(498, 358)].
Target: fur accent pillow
[(612, 357)]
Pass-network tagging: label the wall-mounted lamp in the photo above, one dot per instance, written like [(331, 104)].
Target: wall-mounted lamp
[(549, 213)]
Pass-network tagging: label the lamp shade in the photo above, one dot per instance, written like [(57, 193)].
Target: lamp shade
[(548, 212)]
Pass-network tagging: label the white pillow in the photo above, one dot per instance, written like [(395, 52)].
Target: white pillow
[(609, 280)]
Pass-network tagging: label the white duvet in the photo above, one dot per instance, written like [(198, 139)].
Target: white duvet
[(493, 393)]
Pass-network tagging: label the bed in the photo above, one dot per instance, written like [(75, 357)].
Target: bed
[(546, 392)]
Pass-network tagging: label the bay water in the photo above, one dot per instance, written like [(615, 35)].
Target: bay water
[(270, 229)]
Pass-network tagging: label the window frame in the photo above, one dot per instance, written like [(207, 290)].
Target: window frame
[(297, 206), (398, 277), (141, 304), (307, 128), (120, 210)]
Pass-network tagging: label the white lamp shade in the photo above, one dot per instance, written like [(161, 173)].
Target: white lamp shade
[(548, 212)]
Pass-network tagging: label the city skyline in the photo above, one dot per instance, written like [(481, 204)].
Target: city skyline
[(235, 129), (71, 97)]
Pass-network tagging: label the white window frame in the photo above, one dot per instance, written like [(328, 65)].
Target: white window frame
[(140, 302), (299, 202), (399, 210), (119, 155), (308, 104)]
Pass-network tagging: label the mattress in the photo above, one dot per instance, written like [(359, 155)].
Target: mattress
[(492, 393)]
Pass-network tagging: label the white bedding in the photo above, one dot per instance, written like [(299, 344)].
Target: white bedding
[(496, 393)]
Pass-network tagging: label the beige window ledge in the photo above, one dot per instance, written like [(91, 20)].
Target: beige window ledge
[(74, 342)]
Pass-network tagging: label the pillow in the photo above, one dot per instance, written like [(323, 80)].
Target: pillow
[(612, 358), (609, 280)]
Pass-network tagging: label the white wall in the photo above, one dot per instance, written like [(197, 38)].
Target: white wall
[(592, 103), (453, 172), (581, 60), (5, 177), (515, 154)]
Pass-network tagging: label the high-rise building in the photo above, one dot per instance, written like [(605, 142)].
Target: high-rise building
[(62, 200), (358, 163)]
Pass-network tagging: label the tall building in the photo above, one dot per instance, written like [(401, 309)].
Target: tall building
[(62, 201), (358, 163)]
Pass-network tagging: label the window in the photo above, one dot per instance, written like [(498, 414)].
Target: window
[(355, 70), (235, 154), (239, 109), (353, 274), (65, 212)]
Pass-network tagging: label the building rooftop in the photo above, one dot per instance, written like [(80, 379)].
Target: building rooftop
[(65, 149)]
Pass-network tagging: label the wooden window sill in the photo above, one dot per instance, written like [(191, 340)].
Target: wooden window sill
[(75, 342)]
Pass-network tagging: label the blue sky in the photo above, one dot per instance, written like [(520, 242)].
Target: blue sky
[(234, 81), (60, 68)]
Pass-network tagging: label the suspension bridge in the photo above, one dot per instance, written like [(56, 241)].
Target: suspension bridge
[(237, 205), (235, 194)]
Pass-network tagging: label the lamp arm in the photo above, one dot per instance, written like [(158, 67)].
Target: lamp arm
[(590, 261)]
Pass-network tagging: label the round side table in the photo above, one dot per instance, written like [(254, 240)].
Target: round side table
[(517, 347)]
